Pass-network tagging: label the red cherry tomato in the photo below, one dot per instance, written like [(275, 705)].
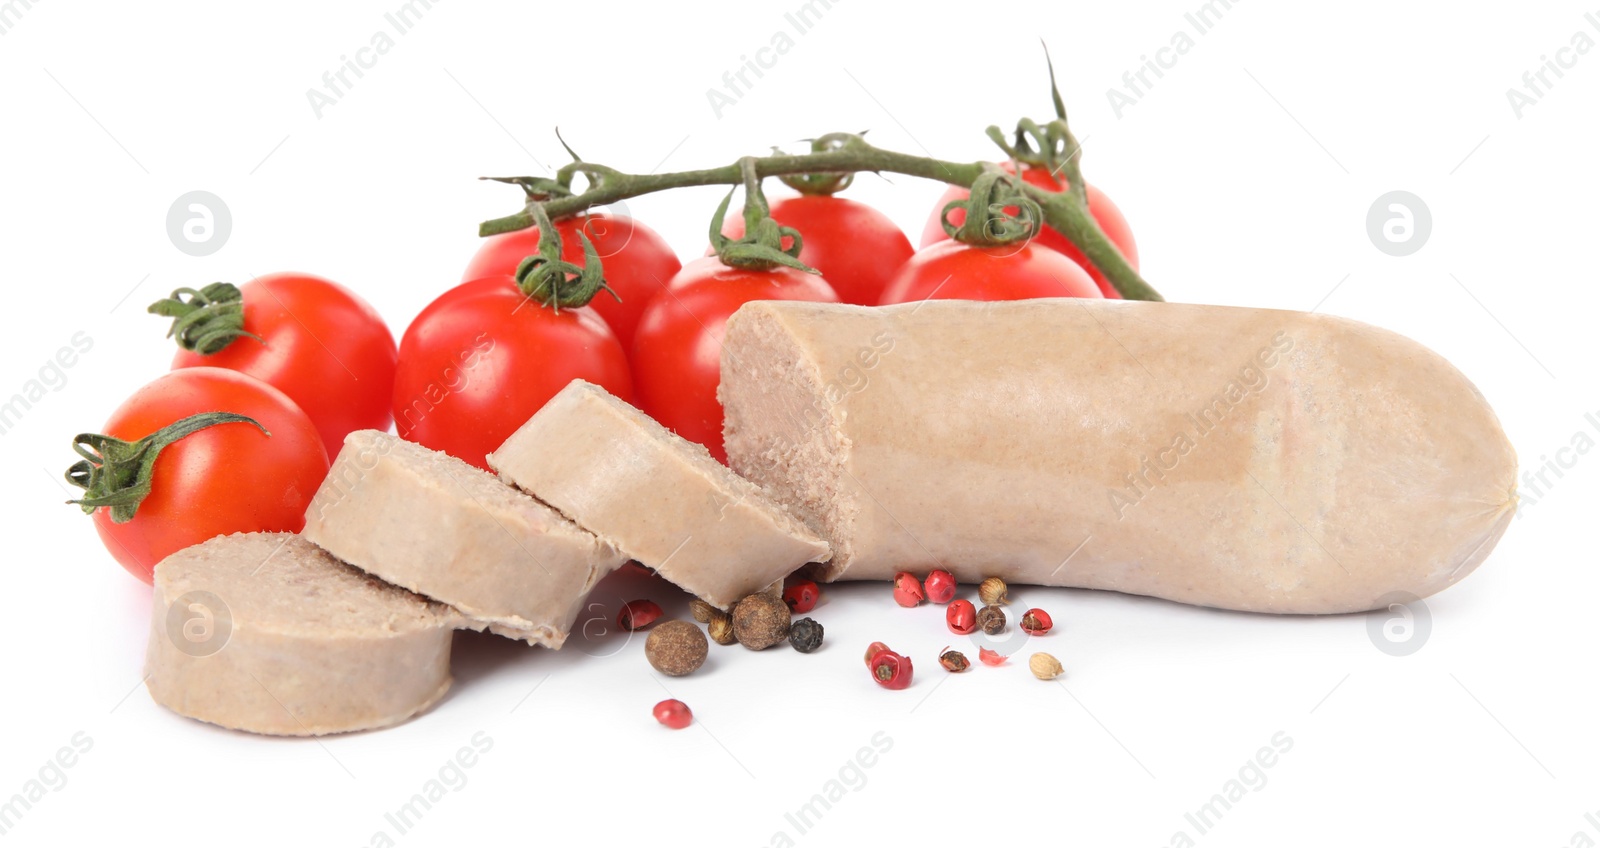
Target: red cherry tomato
[(321, 345), (480, 360), (857, 248), (951, 270), (677, 351), (637, 263), (1105, 213), (228, 478)]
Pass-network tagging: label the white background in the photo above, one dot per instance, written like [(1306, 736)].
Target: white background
[(1247, 173)]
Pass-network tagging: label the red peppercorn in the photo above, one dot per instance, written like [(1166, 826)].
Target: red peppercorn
[(637, 615), (908, 590), (961, 616), (890, 670), (940, 586), (674, 714), (953, 660), (802, 596), (1036, 622), (873, 650), (989, 657)]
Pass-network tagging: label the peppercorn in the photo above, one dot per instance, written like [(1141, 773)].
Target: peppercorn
[(992, 620), (1036, 622), (673, 713), (960, 617), (701, 611), (954, 661), (890, 670), (805, 635), (760, 621), (802, 596), (908, 590), (992, 591), (872, 651), (637, 615), (675, 648), (940, 586), (720, 627), (1044, 666)]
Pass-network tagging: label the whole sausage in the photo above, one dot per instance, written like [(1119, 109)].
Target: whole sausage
[(1246, 459)]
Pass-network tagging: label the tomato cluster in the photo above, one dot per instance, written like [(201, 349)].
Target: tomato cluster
[(308, 361)]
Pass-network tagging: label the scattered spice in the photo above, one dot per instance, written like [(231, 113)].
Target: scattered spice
[(675, 648), (953, 661), (637, 615), (701, 611), (760, 621), (1036, 622), (720, 628), (805, 635), (674, 714), (802, 596), (1045, 667), (988, 657), (961, 616), (992, 591), (992, 620), (872, 651), (940, 586), (908, 590), (890, 670)]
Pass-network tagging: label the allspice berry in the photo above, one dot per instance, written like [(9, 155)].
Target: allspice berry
[(992, 620), (701, 611), (721, 628), (760, 621), (1045, 667), (992, 591), (675, 648)]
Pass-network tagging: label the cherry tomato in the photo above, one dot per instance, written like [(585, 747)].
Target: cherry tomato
[(480, 360), (228, 478), (951, 270), (857, 248), (637, 263), (321, 345), (1105, 213), (677, 351)]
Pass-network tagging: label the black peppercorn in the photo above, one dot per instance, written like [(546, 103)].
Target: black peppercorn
[(992, 619), (805, 635)]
